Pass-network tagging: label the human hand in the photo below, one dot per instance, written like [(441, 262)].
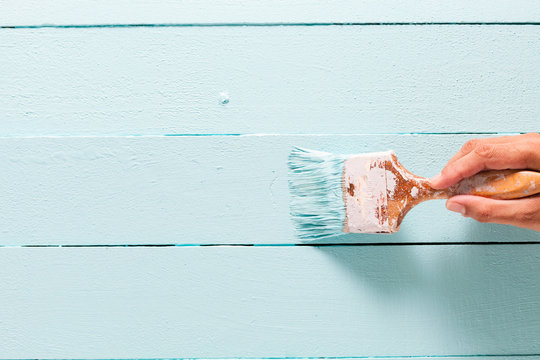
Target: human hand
[(506, 152)]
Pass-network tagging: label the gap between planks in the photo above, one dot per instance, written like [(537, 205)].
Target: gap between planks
[(352, 357), (253, 135), (86, 26), (448, 243)]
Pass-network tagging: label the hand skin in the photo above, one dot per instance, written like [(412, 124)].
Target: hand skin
[(506, 152)]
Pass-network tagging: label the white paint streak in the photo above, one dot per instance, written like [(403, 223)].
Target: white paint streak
[(531, 188), (367, 200), (391, 182)]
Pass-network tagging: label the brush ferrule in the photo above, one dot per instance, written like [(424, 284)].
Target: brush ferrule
[(365, 193)]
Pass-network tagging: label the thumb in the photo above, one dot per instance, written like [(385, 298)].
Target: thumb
[(519, 212)]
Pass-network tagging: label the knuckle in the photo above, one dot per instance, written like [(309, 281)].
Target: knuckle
[(484, 214), (527, 216), (485, 150), (470, 145), (526, 155)]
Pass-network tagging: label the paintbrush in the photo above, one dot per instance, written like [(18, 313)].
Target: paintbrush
[(371, 193)]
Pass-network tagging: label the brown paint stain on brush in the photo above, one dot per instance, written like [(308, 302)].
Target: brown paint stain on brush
[(409, 190), (350, 189)]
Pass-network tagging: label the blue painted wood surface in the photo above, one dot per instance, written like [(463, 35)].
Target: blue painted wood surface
[(198, 190), (285, 301), (232, 12), (291, 79), (116, 136)]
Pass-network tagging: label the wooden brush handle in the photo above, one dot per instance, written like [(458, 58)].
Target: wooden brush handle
[(499, 184), (409, 190)]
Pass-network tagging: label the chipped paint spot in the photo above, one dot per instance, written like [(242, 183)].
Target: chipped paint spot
[(350, 189), (224, 98)]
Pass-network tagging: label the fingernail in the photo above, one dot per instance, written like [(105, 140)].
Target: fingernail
[(455, 207)]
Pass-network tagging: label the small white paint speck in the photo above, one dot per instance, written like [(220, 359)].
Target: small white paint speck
[(224, 98), (414, 192)]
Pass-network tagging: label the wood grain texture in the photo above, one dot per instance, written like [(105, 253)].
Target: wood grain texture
[(198, 189), (64, 12), (339, 79), (269, 301)]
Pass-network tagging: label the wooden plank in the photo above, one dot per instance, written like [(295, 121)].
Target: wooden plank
[(348, 79), (198, 189), (487, 357), (64, 12), (269, 301)]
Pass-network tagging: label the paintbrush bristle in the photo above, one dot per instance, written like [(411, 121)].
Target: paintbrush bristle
[(315, 183)]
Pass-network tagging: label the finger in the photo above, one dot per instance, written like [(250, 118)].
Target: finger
[(523, 213), (474, 143), (483, 157)]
